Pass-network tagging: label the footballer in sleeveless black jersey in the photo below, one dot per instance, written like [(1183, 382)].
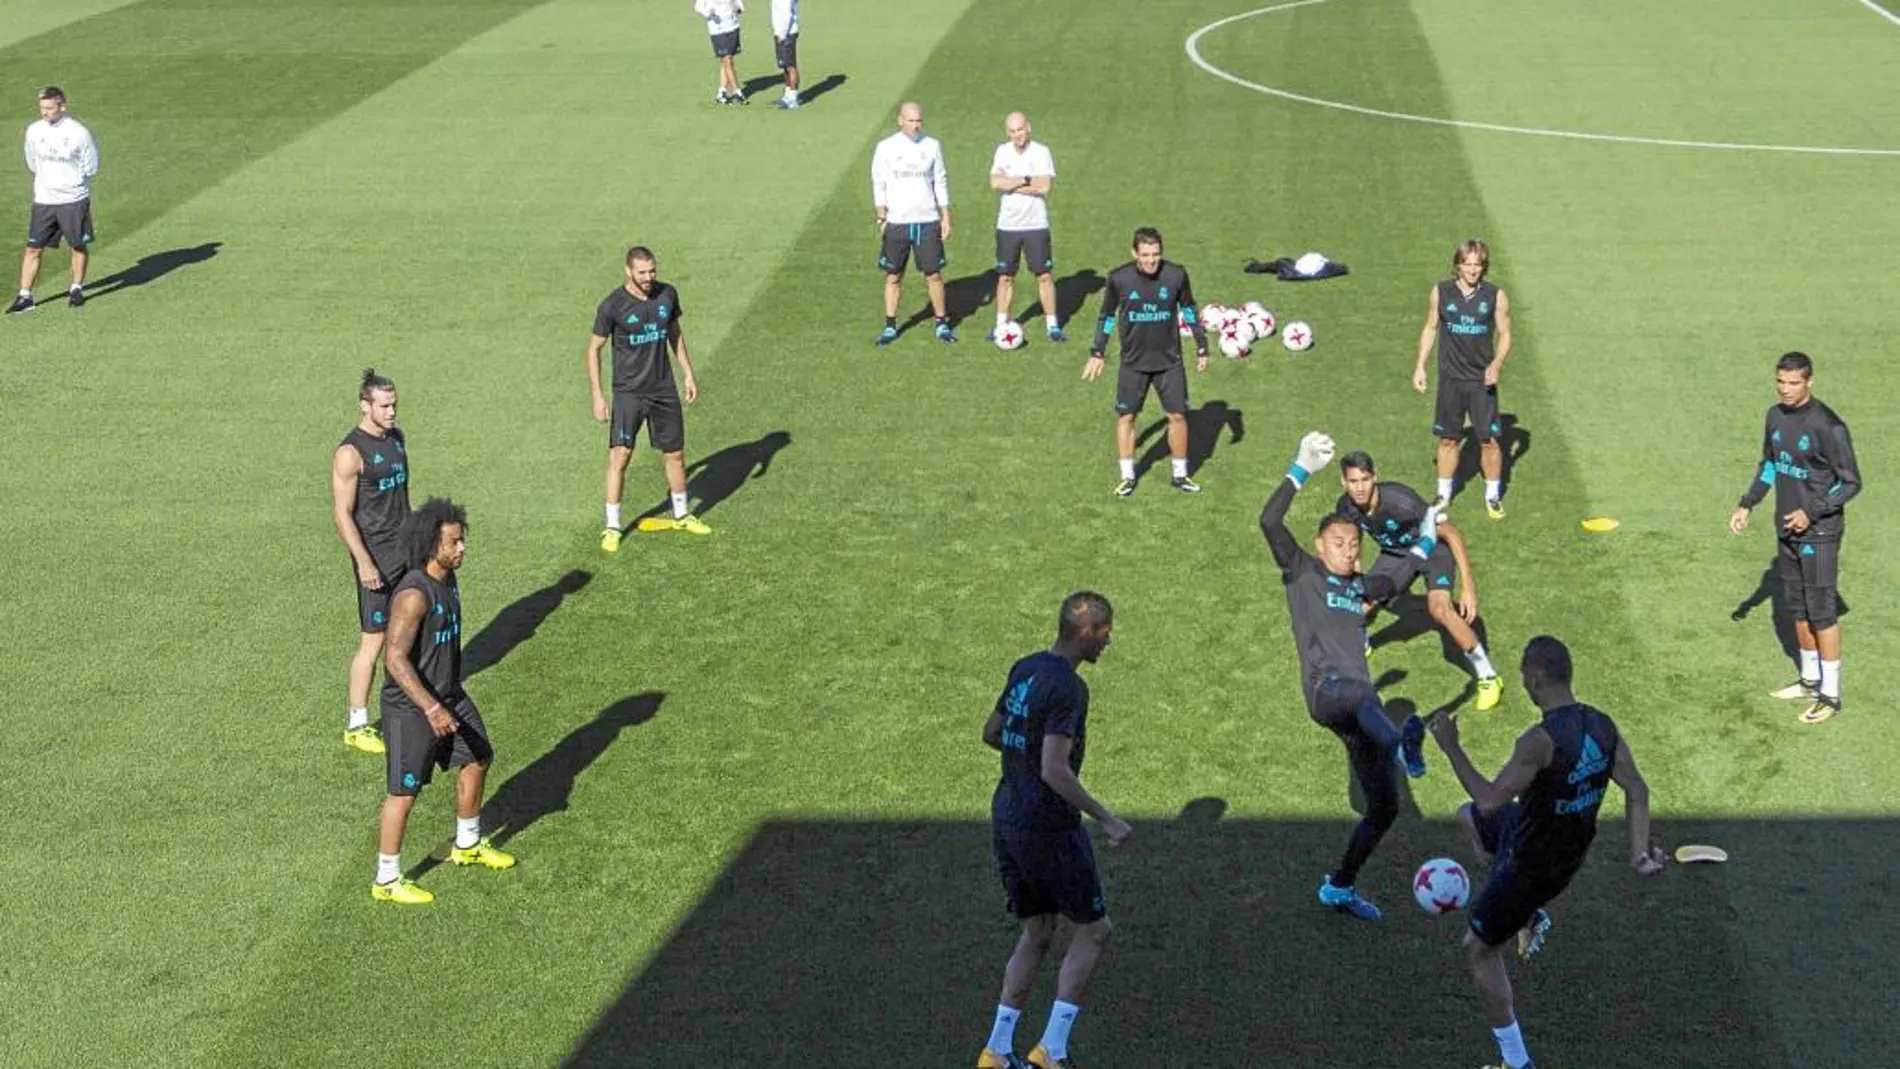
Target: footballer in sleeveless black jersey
[(436, 655), (381, 504)]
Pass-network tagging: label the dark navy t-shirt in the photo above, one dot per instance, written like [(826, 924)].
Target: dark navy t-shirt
[(1044, 697)]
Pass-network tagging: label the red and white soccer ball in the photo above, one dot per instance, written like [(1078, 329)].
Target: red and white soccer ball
[(1441, 886), (1260, 317), (1236, 338), (1216, 316), (1009, 336), (1297, 336)]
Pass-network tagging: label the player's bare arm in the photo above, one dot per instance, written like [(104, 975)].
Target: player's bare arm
[(405, 619), (1647, 860), (595, 344), (345, 466), (1454, 540), (1062, 780), (943, 212), (689, 385), (1529, 757), (1503, 349), (1427, 337)]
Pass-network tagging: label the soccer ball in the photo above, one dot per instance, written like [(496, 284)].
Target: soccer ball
[(1259, 317), (1216, 316), (1297, 336), (1441, 886), (1008, 336), (1236, 338)]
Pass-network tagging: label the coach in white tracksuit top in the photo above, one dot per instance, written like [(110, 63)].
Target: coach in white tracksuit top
[(63, 157), (911, 191)]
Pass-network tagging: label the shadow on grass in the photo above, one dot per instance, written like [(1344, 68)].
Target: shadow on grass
[(823, 936)]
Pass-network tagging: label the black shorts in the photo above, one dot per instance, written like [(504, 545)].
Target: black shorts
[(1810, 575), (372, 606), (665, 422), (414, 752), (1050, 872), (1033, 246), (1131, 389), (785, 50), (1460, 400), (901, 238), (51, 222), (1512, 892), (725, 44), (1440, 571)]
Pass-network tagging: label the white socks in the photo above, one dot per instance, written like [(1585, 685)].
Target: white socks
[(388, 867), (1128, 468), (1002, 315), (1831, 679), (468, 832), (1003, 1032), (359, 718), (1055, 1038), (1810, 666), (679, 506), (1511, 1046), (1444, 489), (613, 515), (1180, 466), (1493, 489), (1480, 661)]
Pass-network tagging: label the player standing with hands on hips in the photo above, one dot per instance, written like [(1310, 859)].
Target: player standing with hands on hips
[(911, 192), (1469, 319), (64, 159), (1147, 299), (1807, 456), (1327, 601)]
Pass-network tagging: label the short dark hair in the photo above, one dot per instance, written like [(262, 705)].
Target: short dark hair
[(1549, 657), (423, 529), (641, 254), (1146, 235), (1796, 361), (1358, 460), (1334, 519), (1082, 610), (371, 383), (53, 92)]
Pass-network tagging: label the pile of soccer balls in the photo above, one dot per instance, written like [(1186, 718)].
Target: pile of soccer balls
[(1235, 329)]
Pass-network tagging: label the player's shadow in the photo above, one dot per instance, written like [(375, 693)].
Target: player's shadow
[(1770, 590), (806, 94), (717, 476), (1205, 425), (1071, 294), (518, 622), (546, 784), (1411, 617), (962, 298), (151, 269), (862, 934), (1513, 439)]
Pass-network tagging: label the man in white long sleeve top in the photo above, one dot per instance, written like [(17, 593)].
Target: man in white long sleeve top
[(63, 157), (722, 25), (911, 191), (785, 48)]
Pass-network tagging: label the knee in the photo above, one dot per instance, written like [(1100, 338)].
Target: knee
[(1438, 604), (1177, 418), (1096, 932), (1382, 812), (1039, 933), (1820, 608)]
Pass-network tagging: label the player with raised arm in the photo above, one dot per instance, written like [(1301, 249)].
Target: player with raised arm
[(910, 190), (1391, 513), (642, 320), (1040, 724), (1327, 599), (1469, 319), (1023, 171), (1807, 456), (1536, 821), (369, 500), (1144, 302), (429, 720)]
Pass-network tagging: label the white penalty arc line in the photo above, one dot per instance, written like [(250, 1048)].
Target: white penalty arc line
[(1194, 55)]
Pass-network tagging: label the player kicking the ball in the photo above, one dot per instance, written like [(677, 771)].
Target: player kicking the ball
[(642, 318), (1391, 514), (1536, 821), (1040, 724), (1148, 298), (1327, 601)]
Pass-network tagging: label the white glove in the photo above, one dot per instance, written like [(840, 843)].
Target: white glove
[(1428, 527), (1316, 451)]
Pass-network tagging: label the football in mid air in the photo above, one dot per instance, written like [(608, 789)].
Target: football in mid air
[(1297, 336), (1441, 886), (1008, 336)]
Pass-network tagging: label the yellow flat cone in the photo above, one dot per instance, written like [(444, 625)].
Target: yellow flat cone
[(1600, 524), (653, 524), (1691, 852)]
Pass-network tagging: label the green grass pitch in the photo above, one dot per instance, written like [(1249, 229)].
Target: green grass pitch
[(744, 773)]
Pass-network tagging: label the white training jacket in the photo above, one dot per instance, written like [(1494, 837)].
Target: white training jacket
[(908, 179), (63, 158), (784, 18), (722, 16)]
